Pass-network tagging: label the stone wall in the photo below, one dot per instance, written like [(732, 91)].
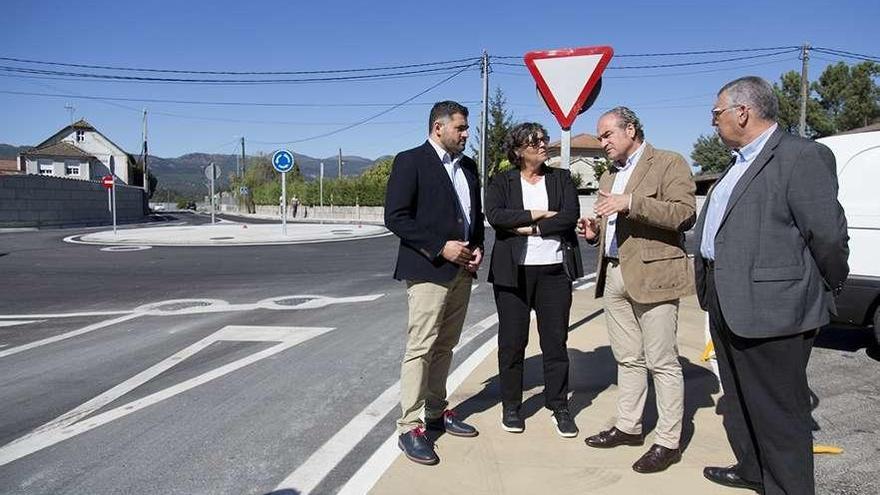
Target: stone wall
[(46, 201)]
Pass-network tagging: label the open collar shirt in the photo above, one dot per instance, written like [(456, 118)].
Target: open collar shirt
[(452, 164), (743, 159)]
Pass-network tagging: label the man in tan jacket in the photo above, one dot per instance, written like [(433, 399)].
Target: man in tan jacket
[(646, 203)]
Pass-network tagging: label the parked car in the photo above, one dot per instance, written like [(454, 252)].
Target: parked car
[(858, 175)]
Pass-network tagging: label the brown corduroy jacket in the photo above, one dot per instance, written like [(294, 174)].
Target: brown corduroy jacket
[(650, 237)]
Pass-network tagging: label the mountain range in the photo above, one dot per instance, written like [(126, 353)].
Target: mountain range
[(185, 174)]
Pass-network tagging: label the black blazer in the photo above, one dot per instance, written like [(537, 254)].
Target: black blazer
[(504, 210), (422, 209)]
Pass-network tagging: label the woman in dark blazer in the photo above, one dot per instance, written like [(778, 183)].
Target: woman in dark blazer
[(533, 209)]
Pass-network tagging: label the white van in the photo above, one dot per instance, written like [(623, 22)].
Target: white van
[(858, 174)]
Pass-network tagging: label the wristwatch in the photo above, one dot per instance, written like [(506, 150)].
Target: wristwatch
[(534, 229)]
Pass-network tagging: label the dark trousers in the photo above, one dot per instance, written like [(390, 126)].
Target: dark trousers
[(547, 290), (766, 403)]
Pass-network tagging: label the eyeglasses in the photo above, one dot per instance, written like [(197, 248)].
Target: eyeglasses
[(536, 143), (716, 112)]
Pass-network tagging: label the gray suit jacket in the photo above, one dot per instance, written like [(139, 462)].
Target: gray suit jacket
[(781, 249)]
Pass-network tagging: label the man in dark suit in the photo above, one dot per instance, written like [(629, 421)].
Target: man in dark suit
[(433, 205), (773, 251)]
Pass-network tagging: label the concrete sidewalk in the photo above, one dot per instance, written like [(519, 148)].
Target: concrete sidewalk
[(539, 460)]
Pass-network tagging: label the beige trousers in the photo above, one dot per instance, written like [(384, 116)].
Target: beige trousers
[(643, 339), (436, 316)]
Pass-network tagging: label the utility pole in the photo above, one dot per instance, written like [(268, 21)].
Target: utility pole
[(70, 109), (484, 119), (243, 162), (805, 90), (339, 172), (145, 152)]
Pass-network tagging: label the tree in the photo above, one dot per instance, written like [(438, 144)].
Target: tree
[(849, 95), (500, 123), (848, 98), (788, 92), (600, 165), (710, 153)]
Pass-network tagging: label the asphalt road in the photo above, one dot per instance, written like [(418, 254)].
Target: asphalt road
[(226, 369)]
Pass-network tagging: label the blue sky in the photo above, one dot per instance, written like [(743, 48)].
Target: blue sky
[(673, 103)]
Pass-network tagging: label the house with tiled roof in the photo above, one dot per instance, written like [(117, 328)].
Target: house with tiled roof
[(585, 150), (79, 151)]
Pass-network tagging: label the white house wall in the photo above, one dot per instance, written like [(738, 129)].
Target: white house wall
[(59, 167), (97, 145)]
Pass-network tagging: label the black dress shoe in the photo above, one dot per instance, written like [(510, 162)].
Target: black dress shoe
[(728, 476), (451, 424), (417, 448), (657, 459), (614, 438)]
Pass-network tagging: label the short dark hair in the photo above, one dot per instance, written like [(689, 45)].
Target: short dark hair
[(626, 117), (754, 92), (444, 110), (519, 136)]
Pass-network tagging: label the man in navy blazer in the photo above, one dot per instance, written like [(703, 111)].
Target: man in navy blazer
[(773, 253), (432, 204)]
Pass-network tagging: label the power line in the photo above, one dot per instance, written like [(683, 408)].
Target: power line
[(364, 121), (842, 53), (675, 54), (238, 73), (114, 77), (681, 64), (669, 74), (221, 103)]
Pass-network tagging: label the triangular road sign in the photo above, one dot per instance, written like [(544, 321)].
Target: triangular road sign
[(566, 77)]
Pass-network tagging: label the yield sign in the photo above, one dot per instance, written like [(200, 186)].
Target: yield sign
[(566, 77)]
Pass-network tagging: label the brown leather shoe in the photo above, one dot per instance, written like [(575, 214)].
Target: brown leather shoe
[(613, 438), (657, 459)]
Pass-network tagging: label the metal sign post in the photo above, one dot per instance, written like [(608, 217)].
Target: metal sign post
[(282, 161), (212, 172), (107, 182), (321, 185), (111, 166)]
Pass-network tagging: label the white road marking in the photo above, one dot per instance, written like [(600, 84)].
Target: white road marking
[(584, 283), (65, 315), (123, 249), (185, 307), (63, 336), (585, 286), (369, 473), (17, 322), (311, 472), (71, 423)]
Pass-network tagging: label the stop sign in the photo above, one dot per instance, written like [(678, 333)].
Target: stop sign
[(107, 181)]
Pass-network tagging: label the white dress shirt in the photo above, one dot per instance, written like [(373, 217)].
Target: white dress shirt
[(459, 182), (721, 192), (620, 180)]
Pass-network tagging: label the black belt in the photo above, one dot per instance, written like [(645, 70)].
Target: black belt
[(709, 264), (612, 259)]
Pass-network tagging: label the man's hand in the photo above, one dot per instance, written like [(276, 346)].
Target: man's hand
[(588, 228), (474, 264), (609, 204), (457, 252)]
